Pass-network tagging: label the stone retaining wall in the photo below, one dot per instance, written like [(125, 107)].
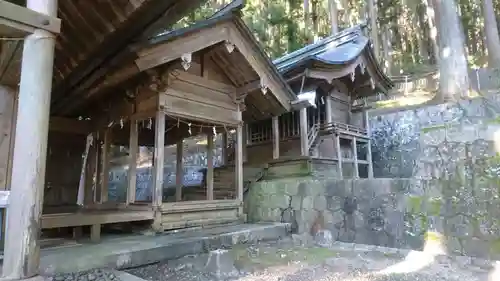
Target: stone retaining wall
[(386, 212)]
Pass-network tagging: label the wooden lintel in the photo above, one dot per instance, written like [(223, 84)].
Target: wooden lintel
[(169, 51), (68, 125), (15, 20)]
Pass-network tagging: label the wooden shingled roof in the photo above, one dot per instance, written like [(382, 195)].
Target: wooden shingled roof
[(94, 35)]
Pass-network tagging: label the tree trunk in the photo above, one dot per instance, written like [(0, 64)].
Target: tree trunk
[(387, 47), (430, 11), (334, 20), (307, 25), (492, 38), (454, 80), (372, 13)]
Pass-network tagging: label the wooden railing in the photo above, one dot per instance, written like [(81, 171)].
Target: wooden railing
[(312, 134), (344, 128)]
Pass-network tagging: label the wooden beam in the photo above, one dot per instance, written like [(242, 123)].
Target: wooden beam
[(115, 46), (276, 138), (69, 125), (179, 173), (16, 20), (132, 168), (191, 43), (210, 167), (22, 249)]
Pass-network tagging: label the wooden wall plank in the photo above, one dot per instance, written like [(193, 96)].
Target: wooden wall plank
[(176, 106)]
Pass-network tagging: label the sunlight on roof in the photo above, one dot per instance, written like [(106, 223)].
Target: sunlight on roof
[(309, 95)]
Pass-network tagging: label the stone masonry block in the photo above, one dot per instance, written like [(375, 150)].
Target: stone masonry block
[(334, 203), (304, 189), (320, 203), (292, 188), (307, 203), (279, 201), (296, 203)]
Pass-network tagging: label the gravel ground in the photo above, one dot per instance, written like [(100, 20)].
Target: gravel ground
[(91, 275), (287, 261)]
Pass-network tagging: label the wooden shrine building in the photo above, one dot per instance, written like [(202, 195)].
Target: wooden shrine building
[(109, 76), (335, 75), (329, 137)]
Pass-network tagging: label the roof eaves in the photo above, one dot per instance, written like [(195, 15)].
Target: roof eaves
[(274, 70), (305, 53)]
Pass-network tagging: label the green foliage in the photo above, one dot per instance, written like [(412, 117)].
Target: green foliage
[(282, 26)]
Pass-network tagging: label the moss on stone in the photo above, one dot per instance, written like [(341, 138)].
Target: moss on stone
[(495, 246), (415, 203), (435, 206), (432, 128)]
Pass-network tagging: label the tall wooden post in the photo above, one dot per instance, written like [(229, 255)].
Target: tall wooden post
[(132, 162), (22, 250), (339, 156), (224, 149), (368, 145), (328, 105), (158, 160), (105, 165), (303, 132), (210, 167), (239, 162), (276, 138), (179, 171), (244, 138), (91, 174), (355, 158)]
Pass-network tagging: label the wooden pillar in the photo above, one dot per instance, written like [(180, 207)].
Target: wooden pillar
[(328, 105), (106, 143), (91, 174), (132, 163), (158, 160), (239, 162), (339, 156), (368, 145), (179, 171), (210, 167), (245, 134), (276, 138), (22, 249), (355, 158), (303, 132), (224, 149)]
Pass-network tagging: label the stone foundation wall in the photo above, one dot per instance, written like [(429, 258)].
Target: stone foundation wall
[(386, 212)]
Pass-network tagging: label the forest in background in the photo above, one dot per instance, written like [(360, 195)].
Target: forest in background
[(405, 33)]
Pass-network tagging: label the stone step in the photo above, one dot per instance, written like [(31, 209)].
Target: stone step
[(132, 251)]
